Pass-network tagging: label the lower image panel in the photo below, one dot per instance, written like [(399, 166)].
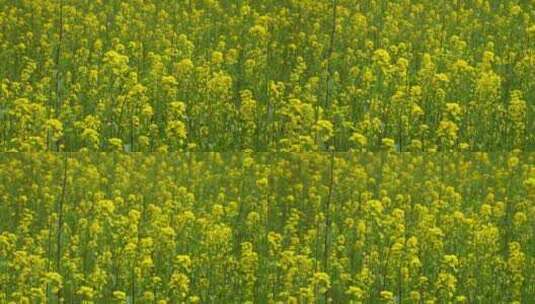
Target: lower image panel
[(267, 228)]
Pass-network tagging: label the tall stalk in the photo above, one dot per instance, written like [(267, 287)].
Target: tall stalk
[(328, 220), (58, 73), (61, 202), (327, 57)]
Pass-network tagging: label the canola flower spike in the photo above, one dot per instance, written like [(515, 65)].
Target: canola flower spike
[(447, 227), (267, 76)]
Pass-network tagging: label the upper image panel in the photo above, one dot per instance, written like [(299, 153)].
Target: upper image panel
[(270, 75)]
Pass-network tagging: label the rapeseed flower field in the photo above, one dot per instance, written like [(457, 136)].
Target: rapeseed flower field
[(286, 75), (287, 152), (267, 228)]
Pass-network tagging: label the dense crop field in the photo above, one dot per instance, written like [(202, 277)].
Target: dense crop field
[(285, 75), (267, 228), (270, 134)]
